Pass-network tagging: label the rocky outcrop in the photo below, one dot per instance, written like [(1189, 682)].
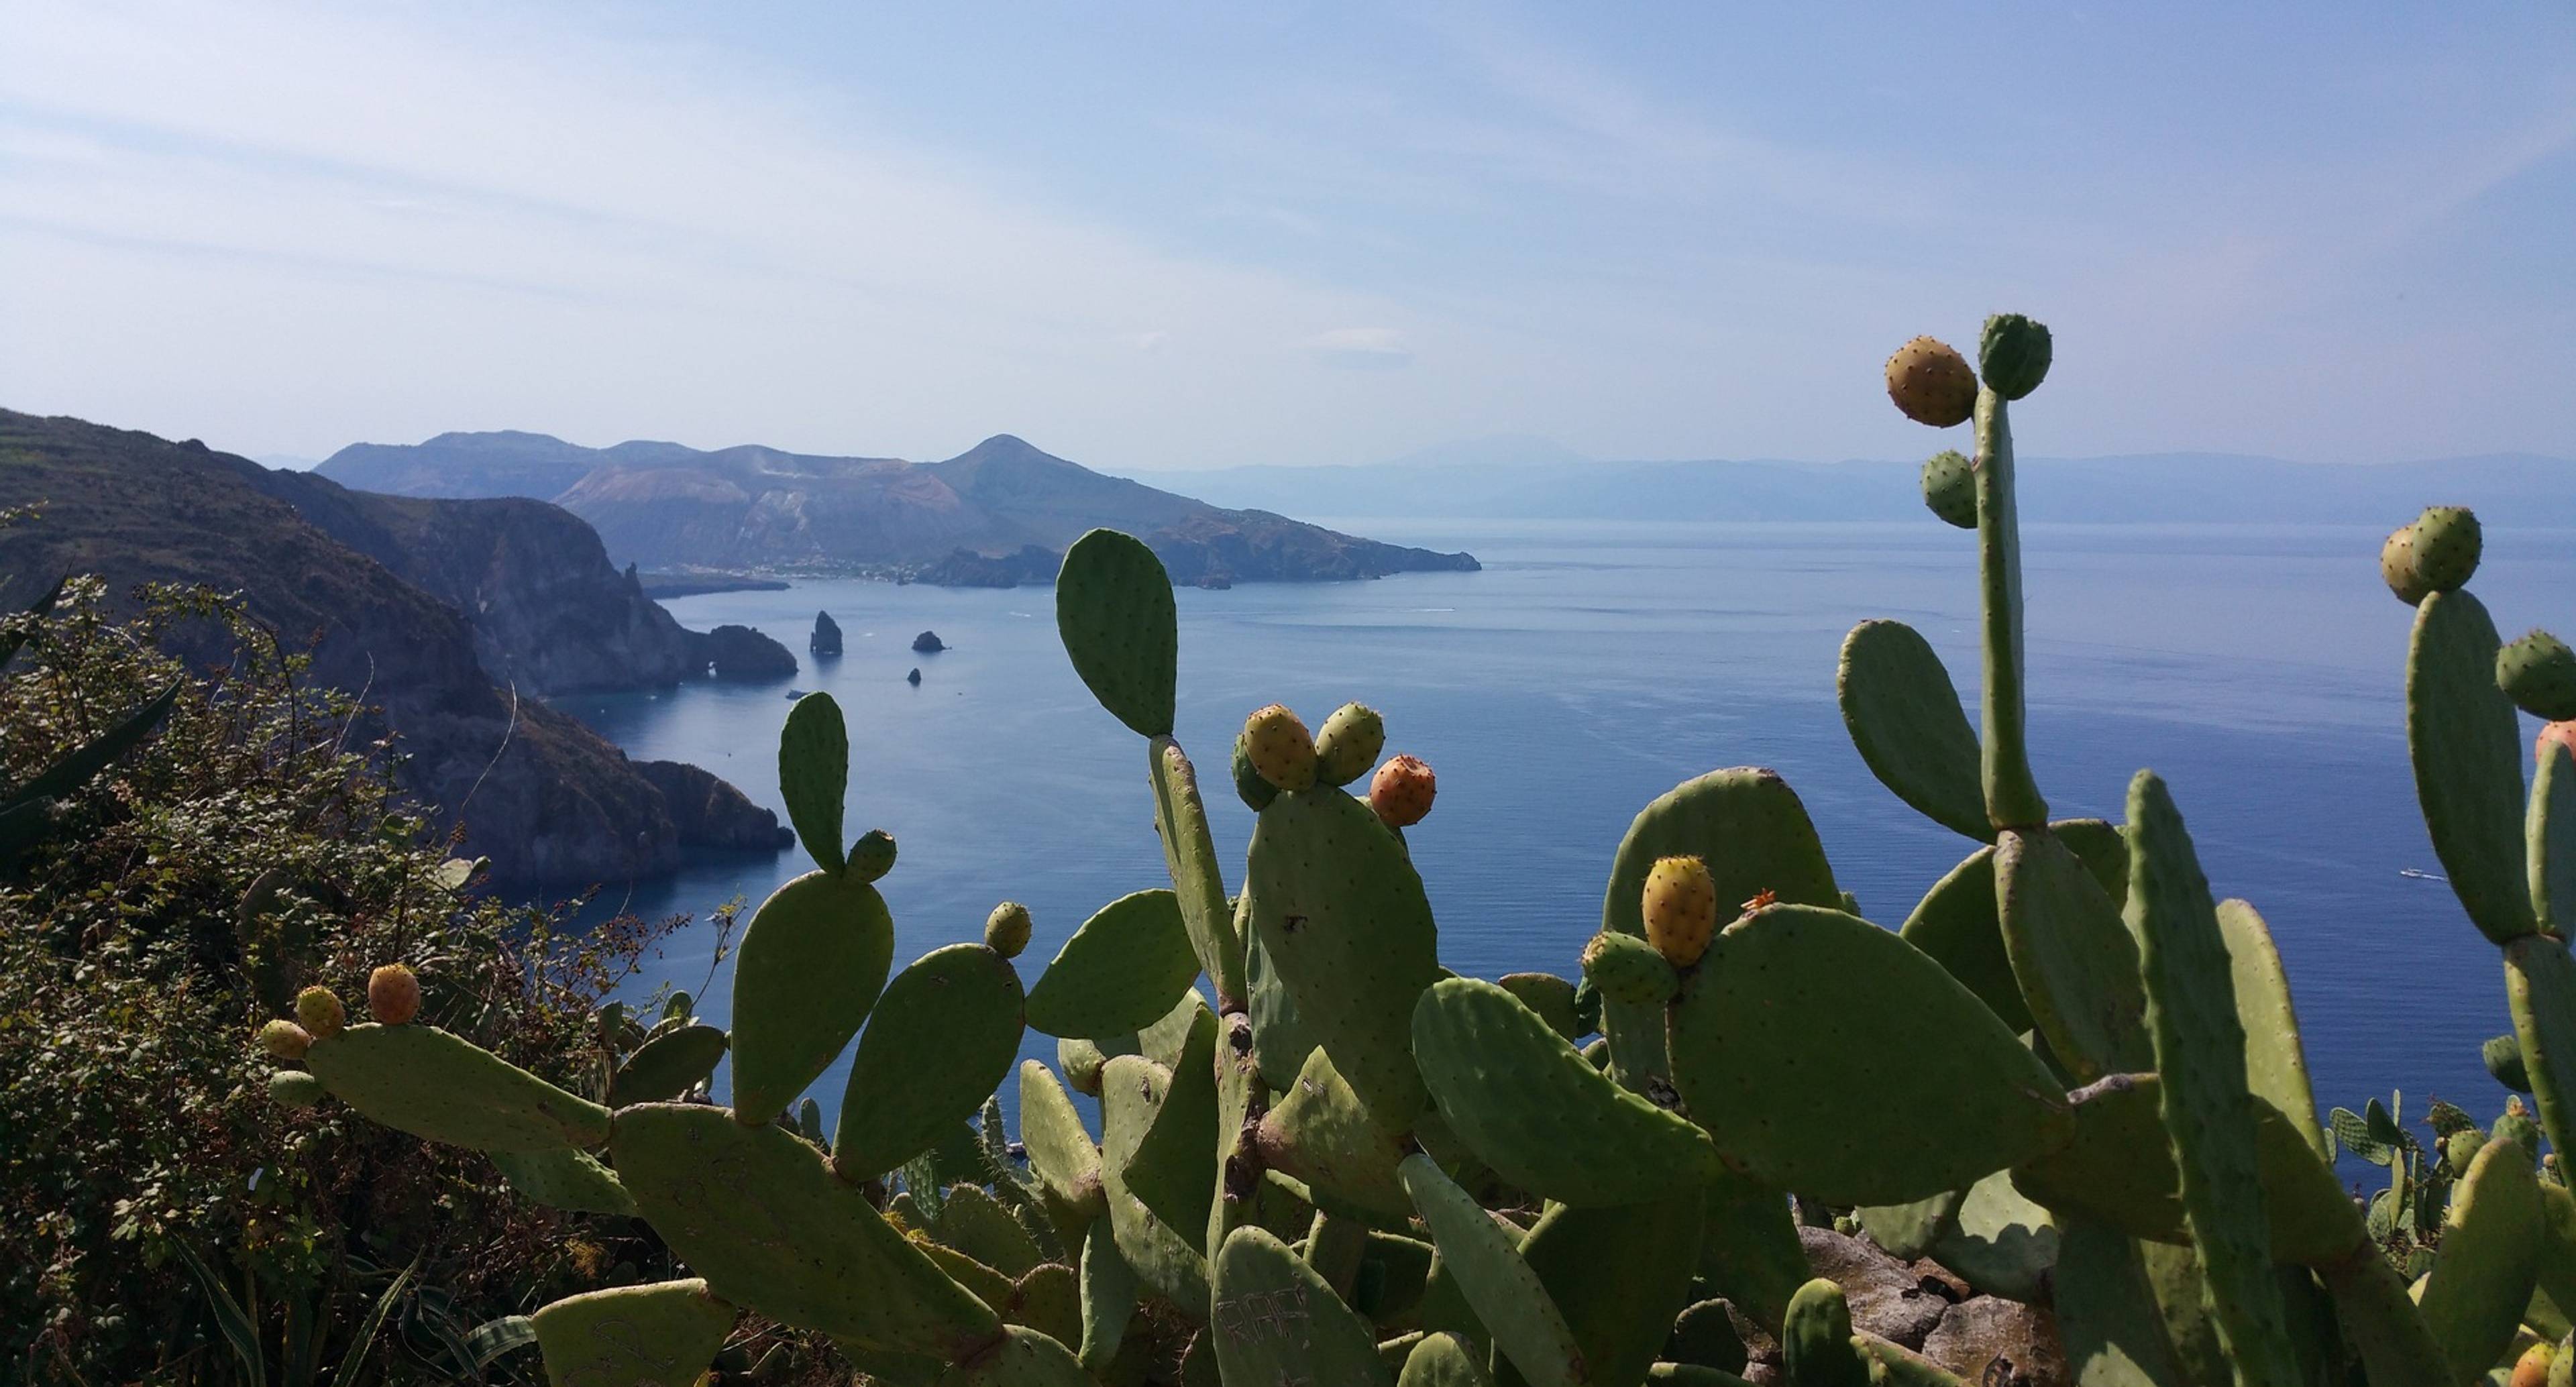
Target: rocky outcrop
[(928, 643), (825, 644), (546, 798), (742, 652), (997, 515), (709, 813)]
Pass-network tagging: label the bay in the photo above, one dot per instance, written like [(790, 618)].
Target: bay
[(1593, 665)]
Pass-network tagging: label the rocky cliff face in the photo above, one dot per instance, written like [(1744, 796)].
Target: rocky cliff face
[(998, 514), (547, 799)]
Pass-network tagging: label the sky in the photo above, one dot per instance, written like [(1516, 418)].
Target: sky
[(1192, 235)]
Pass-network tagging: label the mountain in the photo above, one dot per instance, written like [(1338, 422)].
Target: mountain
[(546, 798), (974, 518), (2172, 488)]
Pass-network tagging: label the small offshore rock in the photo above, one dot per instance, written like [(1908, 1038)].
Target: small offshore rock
[(826, 641), (928, 643)]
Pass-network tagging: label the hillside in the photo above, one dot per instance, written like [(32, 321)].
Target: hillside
[(545, 797), (972, 519)]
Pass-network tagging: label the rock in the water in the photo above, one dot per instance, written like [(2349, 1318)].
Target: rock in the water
[(826, 643), (708, 813), (739, 652), (928, 643), (914, 678), (1999, 1342)]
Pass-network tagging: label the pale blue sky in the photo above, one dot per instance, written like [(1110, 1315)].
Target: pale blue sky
[(1207, 234)]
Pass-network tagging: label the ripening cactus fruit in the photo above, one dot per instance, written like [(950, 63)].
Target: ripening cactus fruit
[(2398, 567), (1006, 930), (1931, 383), (2462, 1147), (872, 856), (1680, 909), (1950, 488), (294, 1088), (1349, 744), (1402, 790), (393, 995), (1255, 792), (2538, 672), (2532, 1368), (1280, 748), (2013, 355), (2563, 733), (320, 1010), (285, 1039)]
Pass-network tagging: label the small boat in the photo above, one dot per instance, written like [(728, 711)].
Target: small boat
[(2418, 874), (795, 694)]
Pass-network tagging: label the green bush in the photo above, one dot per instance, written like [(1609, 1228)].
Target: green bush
[(252, 846)]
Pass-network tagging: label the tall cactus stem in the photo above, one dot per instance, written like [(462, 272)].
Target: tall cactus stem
[(2012, 795)]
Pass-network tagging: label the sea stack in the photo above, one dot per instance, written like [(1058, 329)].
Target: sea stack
[(928, 643), (914, 678), (826, 643)]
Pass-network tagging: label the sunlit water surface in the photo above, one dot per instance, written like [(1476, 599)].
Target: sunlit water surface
[(1590, 667)]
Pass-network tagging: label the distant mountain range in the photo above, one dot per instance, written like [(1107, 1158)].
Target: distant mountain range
[(1000, 513), (2511, 489), (452, 617)]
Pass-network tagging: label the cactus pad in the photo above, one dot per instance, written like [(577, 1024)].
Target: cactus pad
[(1551, 997), (1905, 717), (2076, 961), (664, 1333), (2550, 833), (1619, 1276), (941, 1038), (1023, 1357), (2540, 986), (1170, 1169), (1061, 1153), (2488, 1261), (1909, 1231), (1950, 488), (668, 1065), (1346, 746), (1114, 612), (1444, 1360), (1529, 1105), (2001, 1243), (1959, 924), (1627, 970), (1322, 1134), (2012, 354), (759, 1214), (2467, 749), (814, 776), (1189, 857), (1108, 1296), (2276, 1060), (573, 1181), (809, 969), (1118, 973), (2208, 1109), (1816, 1340), (2538, 672), (1485, 1262), (2106, 1312), (422, 1080), (1275, 1320), (2116, 1171), (1342, 914), (1165, 1259), (1830, 1057)]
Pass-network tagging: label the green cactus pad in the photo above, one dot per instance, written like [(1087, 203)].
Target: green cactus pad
[(1108, 1296), (975, 1223), (1619, 1276), (1909, 1231), (1275, 1320), (756, 1211), (2209, 1110), (1280, 1041), (1170, 1170), (573, 1181), (2001, 1243), (1346, 746), (2106, 1312), (1444, 1360), (1322, 1134), (2381, 1324), (295, 1088), (2012, 354), (1895, 1365), (809, 969), (1751, 830), (1832, 1058), (2549, 831), (2116, 1170), (2467, 748), (1749, 1249), (2276, 1060), (2540, 986), (1625, 969), (668, 1065), (2538, 672), (1529, 1105), (1485, 1262), (1959, 924), (1024, 1357), (1061, 1153), (1240, 1095), (941, 1038), (2012, 795), (1550, 996), (1255, 792), (2488, 1261), (1165, 1259), (2076, 961), (1119, 973), (1950, 488), (1816, 1348), (663, 1333), (1905, 717), (1342, 914), (1189, 857), (1114, 612), (814, 776), (422, 1080)]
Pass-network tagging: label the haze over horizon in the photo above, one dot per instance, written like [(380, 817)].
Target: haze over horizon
[(1162, 238)]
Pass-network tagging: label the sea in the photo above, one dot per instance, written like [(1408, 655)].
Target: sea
[(1593, 665)]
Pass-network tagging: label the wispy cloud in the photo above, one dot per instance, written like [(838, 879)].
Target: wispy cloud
[(1361, 348)]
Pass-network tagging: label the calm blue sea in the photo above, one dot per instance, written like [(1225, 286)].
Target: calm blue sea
[(1591, 666)]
